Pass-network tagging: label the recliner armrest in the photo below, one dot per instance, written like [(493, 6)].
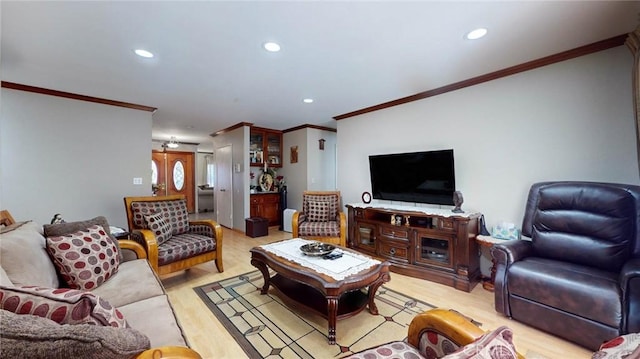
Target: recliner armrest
[(511, 251), (630, 271), (630, 287), (506, 254)]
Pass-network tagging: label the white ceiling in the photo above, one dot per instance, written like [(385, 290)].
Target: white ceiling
[(210, 71)]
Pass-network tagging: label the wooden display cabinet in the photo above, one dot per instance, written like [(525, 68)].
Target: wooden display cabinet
[(432, 245), (265, 145), (266, 205), (364, 237), (433, 249)]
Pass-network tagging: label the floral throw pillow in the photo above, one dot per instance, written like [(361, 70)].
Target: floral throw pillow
[(161, 228), (62, 305), (85, 259), (318, 211)]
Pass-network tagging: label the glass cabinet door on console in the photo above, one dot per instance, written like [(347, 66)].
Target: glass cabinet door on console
[(265, 146), (256, 150), (365, 237), (433, 249), (274, 149)]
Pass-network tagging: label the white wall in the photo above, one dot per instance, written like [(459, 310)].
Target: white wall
[(71, 157), (295, 173), (321, 170), (567, 121), (315, 169)]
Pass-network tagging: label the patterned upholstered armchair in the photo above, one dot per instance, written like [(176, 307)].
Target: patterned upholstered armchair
[(173, 243), (321, 218), (446, 334)]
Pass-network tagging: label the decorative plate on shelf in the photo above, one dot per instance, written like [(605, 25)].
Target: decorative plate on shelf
[(266, 182), (317, 249)]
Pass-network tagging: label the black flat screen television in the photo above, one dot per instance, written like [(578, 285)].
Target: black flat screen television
[(422, 177)]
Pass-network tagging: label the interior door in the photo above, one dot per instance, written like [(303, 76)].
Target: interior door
[(224, 187), (175, 174)]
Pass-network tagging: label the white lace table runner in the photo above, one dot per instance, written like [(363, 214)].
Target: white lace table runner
[(339, 268)]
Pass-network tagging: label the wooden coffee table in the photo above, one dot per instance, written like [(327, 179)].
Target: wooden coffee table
[(333, 299)]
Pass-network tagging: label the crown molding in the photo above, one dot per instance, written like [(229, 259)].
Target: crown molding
[(309, 126), (231, 128), (544, 61), (73, 96)]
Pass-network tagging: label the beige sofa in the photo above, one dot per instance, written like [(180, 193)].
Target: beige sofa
[(134, 290)]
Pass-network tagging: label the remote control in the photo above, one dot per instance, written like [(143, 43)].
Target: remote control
[(332, 255)]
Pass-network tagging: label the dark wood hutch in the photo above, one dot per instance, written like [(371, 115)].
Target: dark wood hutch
[(265, 146)]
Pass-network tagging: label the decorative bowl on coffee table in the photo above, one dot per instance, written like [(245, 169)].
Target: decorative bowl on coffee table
[(316, 249)]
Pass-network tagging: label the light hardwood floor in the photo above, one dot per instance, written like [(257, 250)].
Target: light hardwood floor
[(207, 336)]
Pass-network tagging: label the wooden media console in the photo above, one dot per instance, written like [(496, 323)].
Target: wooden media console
[(432, 244)]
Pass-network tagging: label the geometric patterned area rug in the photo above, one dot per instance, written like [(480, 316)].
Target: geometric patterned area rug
[(267, 328)]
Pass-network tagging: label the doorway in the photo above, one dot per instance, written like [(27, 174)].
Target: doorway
[(224, 187), (172, 172)]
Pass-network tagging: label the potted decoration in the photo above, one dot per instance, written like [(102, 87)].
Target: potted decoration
[(267, 179)]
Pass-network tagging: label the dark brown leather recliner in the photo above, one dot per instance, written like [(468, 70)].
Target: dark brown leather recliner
[(579, 275)]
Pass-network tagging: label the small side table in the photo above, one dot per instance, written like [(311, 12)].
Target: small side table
[(488, 241), (119, 233)]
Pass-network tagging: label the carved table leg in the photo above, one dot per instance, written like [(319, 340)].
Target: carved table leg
[(373, 288), (265, 273), (332, 308)]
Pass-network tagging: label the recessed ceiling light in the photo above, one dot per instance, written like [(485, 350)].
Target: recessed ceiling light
[(143, 53), (308, 100), (476, 34), (271, 47)]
